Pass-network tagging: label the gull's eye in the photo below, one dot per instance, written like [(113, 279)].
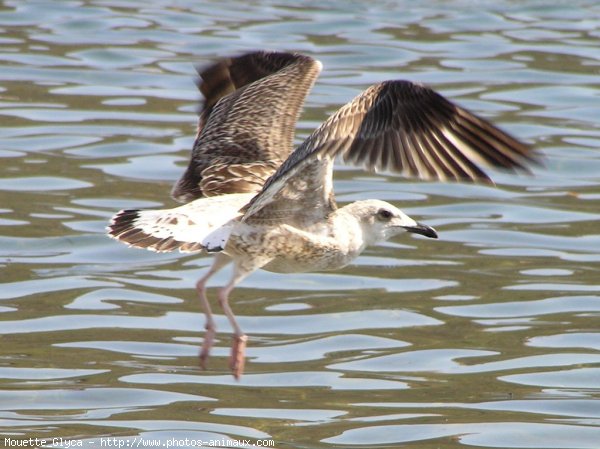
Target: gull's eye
[(384, 214)]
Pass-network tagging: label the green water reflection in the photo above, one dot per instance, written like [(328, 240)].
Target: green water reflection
[(487, 337)]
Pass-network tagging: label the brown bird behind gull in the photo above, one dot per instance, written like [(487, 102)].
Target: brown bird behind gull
[(258, 204)]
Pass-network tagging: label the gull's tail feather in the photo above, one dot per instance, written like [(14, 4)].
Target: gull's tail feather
[(204, 224), (151, 229)]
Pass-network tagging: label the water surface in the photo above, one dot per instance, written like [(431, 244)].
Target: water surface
[(487, 337)]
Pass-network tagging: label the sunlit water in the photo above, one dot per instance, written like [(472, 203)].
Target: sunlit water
[(488, 337)]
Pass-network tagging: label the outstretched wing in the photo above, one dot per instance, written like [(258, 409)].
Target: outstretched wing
[(395, 126), (247, 122)]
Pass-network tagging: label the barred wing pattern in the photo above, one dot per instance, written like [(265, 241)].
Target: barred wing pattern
[(395, 126), (247, 123)]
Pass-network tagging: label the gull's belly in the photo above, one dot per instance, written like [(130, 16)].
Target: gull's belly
[(307, 262), (284, 249)]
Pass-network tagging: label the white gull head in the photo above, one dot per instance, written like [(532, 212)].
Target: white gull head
[(381, 221)]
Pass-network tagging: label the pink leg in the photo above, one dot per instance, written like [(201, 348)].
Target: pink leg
[(238, 348), (220, 261), (241, 269)]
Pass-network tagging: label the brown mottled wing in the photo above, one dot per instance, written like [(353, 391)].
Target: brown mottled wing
[(395, 126), (247, 123)]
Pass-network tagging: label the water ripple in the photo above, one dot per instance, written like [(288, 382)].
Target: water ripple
[(487, 337)]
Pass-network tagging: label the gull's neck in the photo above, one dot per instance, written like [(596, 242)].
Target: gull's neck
[(347, 227)]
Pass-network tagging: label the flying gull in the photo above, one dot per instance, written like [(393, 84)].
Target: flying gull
[(255, 201)]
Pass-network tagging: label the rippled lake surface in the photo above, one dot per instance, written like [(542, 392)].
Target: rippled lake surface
[(488, 337)]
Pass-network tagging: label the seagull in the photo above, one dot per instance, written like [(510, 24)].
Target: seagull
[(256, 202)]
